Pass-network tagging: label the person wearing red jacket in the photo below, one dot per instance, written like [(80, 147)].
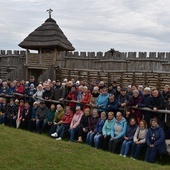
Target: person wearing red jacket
[(64, 124), (86, 97), (19, 89), (72, 95)]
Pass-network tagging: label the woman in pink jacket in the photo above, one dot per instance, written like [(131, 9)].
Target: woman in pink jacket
[(75, 122)]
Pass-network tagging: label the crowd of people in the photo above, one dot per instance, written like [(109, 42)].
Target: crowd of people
[(104, 115)]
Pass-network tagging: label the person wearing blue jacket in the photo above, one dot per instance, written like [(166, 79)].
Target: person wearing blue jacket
[(112, 104), (102, 99), (98, 130), (118, 131), (128, 138), (106, 130), (155, 140)]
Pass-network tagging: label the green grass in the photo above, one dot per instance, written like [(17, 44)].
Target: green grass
[(22, 150)]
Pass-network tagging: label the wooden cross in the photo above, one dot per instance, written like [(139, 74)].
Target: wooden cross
[(50, 11)]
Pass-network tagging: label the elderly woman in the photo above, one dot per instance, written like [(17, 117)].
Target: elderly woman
[(135, 100), (118, 131), (106, 130), (39, 93), (57, 118), (75, 123), (155, 140)]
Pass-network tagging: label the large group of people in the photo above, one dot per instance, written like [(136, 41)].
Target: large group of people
[(104, 115)]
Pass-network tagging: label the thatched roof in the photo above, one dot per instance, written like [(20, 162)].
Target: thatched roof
[(47, 36)]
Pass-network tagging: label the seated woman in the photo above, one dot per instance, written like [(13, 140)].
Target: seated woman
[(155, 140), (139, 139), (75, 123), (118, 131), (64, 124), (92, 125), (83, 127), (106, 130), (49, 117), (57, 117), (128, 138), (98, 130)]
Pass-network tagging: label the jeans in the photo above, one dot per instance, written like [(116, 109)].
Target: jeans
[(125, 147), (2, 119), (90, 138), (97, 140), (72, 133), (136, 149), (53, 129), (62, 129)]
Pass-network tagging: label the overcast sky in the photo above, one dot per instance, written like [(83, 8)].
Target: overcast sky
[(91, 25)]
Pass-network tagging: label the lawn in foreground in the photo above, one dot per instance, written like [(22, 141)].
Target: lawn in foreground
[(23, 150)]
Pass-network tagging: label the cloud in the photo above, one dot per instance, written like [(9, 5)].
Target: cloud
[(91, 25)]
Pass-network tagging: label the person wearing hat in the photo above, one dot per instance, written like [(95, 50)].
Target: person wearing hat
[(155, 140), (123, 98), (32, 81), (59, 92)]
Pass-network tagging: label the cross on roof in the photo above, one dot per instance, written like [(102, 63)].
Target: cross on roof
[(50, 11)]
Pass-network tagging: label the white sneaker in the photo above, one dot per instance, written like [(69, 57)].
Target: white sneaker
[(124, 156), (55, 135), (120, 154), (58, 138)]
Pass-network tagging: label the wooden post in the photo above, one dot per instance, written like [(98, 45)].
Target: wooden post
[(27, 51), (40, 57)]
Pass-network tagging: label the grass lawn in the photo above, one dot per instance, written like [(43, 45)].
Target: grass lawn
[(23, 150)]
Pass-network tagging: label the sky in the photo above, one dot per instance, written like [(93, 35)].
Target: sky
[(91, 25)]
